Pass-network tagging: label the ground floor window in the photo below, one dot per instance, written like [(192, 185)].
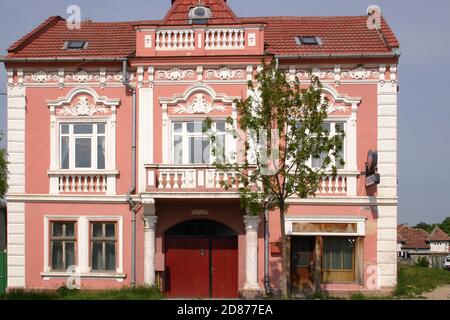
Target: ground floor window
[(103, 246), (338, 262), (62, 245)]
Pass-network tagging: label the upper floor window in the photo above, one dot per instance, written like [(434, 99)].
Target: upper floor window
[(331, 129), (82, 146), (190, 145)]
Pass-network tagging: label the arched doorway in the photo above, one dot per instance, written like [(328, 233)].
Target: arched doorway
[(201, 260)]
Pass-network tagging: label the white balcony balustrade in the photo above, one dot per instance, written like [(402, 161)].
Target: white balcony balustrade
[(225, 39), (175, 40), (96, 182)]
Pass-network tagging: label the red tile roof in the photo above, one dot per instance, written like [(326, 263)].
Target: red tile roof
[(413, 238), (340, 35), (221, 12), (438, 235)]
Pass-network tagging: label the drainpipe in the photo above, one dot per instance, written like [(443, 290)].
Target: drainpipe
[(132, 190)]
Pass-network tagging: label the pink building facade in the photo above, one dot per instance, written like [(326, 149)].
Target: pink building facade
[(107, 186)]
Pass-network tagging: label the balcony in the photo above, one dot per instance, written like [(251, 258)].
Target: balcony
[(84, 182), (204, 179), (198, 41)]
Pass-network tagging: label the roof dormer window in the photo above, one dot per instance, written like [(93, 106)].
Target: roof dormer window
[(308, 40), (199, 15), (75, 45)]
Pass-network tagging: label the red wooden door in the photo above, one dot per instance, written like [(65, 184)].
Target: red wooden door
[(224, 267), (187, 267)]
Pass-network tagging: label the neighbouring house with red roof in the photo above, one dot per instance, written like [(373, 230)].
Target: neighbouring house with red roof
[(416, 241), (110, 172)]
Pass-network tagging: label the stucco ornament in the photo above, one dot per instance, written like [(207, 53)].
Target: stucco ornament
[(82, 108), (41, 77), (332, 107), (359, 73), (81, 76), (175, 74), (225, 74), (199, 105)]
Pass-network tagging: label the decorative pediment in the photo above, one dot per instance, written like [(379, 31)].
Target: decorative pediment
[(339, 103), (83, 102), (198, 99)]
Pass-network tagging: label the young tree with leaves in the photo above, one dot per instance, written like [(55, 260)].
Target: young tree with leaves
[(284, 129), (3, 171)]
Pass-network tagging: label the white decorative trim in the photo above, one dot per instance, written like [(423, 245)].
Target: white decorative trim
[(83, 244), (83, 90), (198, 87), (82, 108), (146, 135), (199, 105), (387, 166), (360, 221), (16, 181), (175, 74), (36, 198), (225, 74), (16, 245)]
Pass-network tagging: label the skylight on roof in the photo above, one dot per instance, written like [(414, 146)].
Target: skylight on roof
[(308, 40), (75, 45)]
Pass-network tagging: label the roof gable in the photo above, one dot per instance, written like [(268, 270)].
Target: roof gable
[(413, 238), (438, 235)]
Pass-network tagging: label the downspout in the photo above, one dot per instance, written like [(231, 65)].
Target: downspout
[(132, 190)]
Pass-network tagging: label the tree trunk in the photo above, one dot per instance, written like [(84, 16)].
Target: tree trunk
[(285, 272)]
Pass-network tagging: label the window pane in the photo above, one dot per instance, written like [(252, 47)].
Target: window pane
[(338, 254), (101, 128), (110, 263), (318, 163), (195, 127), (198, 150), (97, 230), (110, 230), (57, 229), (83, 153), (101, 153), (220, 126), (178, 149), (70, 229), (326, 127), (64, 152), (65, 129), (178, 127), (57, 255), (82, 129), (97, 256), (339, 126), (70, 254), (220, 148)]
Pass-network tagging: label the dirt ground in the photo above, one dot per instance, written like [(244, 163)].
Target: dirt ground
[(440, 293)]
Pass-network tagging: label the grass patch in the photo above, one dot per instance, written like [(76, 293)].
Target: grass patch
[(63, 293), (413, 281)]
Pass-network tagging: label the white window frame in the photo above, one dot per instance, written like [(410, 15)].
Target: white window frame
[(83, 268), (332, 133), (72, 145), (185, 140)]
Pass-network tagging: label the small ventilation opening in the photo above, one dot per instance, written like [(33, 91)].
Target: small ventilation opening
[(308, 40), (75, 45)]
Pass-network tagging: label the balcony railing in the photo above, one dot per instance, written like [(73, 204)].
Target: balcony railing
[(175, 40), (88, 182), (203, 178)]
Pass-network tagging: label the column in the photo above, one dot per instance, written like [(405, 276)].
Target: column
[(150, 220), (251, 253)]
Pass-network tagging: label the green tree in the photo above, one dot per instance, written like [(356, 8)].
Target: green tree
[(445, 225), (283, 126), (3, 171), (425, 226)]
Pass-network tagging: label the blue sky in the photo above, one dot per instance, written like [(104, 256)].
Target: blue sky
[(422, 27)]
